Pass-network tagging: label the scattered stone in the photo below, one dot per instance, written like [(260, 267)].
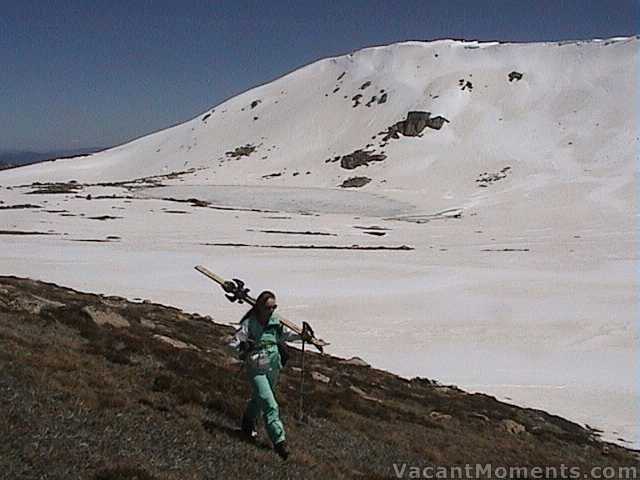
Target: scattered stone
[(512, 426), (362, 394), (487, 178), (382, 99), (319, 377), (355, 182), (365, 85), (359, 158), (435, 415), (341, 76), (465, 84), (255, 103), (243, 151), (515, 76), (179, 344), (204, 119), (479, 416), (356, 100), (272, 175), (357, 361), (336, 90), (35, 304), (106, 317)]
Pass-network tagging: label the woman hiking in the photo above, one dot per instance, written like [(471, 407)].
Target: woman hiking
[(258, 340)]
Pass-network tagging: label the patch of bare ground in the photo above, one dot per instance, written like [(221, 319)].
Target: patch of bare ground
[(54, 188), (103, 217), (23, 232), (19, 207), (317, 247), (294, 232), (91, 387)]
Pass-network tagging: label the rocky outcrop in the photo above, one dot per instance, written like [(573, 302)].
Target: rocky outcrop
[(414, 125), (243, 151), (360, 158), (355, 182)]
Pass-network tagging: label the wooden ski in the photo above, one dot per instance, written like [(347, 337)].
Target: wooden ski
[(236, 292)]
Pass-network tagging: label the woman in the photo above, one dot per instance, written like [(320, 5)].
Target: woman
[(257, 339)]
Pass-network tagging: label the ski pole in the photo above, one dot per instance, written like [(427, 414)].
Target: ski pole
[(301, 416)]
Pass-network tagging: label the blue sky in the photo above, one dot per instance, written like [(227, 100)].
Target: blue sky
[(83, 73)]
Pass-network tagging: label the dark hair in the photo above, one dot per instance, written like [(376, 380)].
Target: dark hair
[(260, 302)]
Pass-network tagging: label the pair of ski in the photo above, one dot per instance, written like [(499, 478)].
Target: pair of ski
[(237, 292)]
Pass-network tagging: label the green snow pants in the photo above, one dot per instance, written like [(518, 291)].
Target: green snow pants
[(263, 384)]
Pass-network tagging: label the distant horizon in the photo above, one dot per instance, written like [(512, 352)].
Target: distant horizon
[(110, 73)]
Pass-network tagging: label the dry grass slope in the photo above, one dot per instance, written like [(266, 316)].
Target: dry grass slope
[(90, 387)]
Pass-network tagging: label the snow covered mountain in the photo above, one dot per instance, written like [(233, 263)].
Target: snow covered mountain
[(564, 111), (499, 179)]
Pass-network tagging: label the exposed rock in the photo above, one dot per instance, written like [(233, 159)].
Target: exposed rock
[(372, 227), (272, 175), (487, 178), (512, 426), (479, 416), (359, 158), (106, 317), (413, 126), (35, 304), (103, 217), (439, 416), (465, 84), (356, 100), (175, 343), (255, 103), (365, 85), (243, 151), (382, 99), (319, 377), (147, 323), (341, 76), (361, 393), (355, 361), (355, 182), (515, 76), (372, 100)]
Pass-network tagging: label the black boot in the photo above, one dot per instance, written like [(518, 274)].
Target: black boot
[(248, 428), (282, 450)]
